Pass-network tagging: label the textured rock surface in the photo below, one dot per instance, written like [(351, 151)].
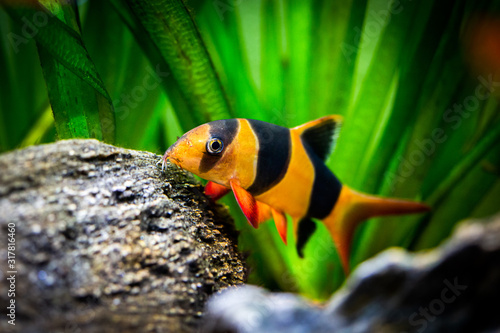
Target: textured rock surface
[(455, 288), (105, 241)]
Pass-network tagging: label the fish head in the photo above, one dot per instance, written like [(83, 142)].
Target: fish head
[(207, 151)]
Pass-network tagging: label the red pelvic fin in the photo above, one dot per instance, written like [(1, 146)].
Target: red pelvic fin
[(353, 207), (215, 191), (281, 224), (247, 203)]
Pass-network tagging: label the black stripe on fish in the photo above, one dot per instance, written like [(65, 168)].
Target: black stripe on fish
[(326, 187), (225, 130), (273, 155)]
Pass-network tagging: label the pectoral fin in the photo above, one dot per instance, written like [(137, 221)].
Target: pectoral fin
[(247, 203), (280, 222), (215, 191)]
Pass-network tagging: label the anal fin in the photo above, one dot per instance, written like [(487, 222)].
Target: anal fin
[(306, 228), (264, 212)]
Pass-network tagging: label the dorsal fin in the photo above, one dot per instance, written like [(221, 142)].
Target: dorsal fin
[(320, 134)]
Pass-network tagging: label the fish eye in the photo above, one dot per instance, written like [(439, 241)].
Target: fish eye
[(214, 146)]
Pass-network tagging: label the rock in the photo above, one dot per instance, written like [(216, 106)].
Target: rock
[(104, 241), (454, 288)]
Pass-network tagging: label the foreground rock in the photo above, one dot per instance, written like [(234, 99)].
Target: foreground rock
[(455, 288), (107, 242)]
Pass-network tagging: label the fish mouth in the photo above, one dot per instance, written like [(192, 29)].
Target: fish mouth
[(168, 157), (175, 160), (170, 154)]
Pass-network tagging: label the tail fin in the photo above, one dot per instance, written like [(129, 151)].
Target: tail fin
[(353, 207)]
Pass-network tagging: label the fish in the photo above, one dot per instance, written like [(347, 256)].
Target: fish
[(275, 171)]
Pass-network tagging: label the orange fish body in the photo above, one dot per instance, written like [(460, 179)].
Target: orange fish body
[(274, 171)]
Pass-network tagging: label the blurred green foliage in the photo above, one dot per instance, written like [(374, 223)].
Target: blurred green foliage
[(421, 121)]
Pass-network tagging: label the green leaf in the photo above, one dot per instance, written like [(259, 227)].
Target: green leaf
[(426, 34), (469, 183), (159, 64), (222, 35), (135, 87), (80, 102), (24, 97), (373, 95), (173, 32), (272, 71), (336, 46), (63, 43), (487, 144), (298, 57)]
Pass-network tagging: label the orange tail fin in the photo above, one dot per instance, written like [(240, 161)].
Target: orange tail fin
[(353, 207)]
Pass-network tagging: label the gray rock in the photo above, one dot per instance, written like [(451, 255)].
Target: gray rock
[(105, 241), (454, 288)]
